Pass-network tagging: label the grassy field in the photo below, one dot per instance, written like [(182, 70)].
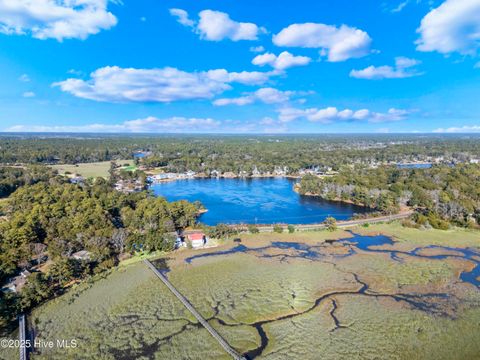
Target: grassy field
[(310, 300), (96, 169)]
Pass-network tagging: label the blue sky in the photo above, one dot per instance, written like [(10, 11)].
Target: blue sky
[(240, 66)]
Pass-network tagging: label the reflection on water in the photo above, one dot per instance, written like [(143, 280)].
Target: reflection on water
[(250, 201)]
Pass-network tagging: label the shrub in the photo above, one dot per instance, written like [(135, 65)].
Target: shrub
[(221, 231), (291, 229), (278, 228), (410, 224), (252, 229), (330, 223)]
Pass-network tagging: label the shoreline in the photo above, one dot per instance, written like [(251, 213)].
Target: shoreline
[(201, 177)]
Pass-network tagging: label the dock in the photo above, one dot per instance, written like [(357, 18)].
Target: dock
[(22, 337), (223, 343)]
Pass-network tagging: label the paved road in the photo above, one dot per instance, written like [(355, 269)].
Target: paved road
[(340, 224), (195, 313)]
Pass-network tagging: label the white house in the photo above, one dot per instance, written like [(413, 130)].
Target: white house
[(197, 239)]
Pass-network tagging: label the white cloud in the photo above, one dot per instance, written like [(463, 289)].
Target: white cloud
[(115, 84), (24, 78), (273, 96), (400, 6), (28, 94), (404, 68), (58, 19), (240, 101), (281, 62), (462, 129), (244, 77), (216, 26), (454, 26), (338, 43), (265, 95), (149, 124), (182, 17), (75, 72), (332, 114), (257, 49)]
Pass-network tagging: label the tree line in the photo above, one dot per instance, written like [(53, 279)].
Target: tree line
[(55, 219), (202, 153), (441, 194)]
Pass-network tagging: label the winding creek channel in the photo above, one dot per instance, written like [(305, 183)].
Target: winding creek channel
[(427, 302)]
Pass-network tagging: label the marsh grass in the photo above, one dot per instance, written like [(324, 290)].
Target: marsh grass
[(375, 329), (120, 317), (8, 353), (126, 314), (456, 237), (248, 289)]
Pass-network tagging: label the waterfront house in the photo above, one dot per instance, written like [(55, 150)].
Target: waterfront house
[(197, 239)]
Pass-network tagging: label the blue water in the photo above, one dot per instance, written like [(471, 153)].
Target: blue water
[(139, 155), (250, 201), (414, 166)]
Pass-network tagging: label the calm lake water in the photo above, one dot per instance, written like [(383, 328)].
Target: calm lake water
[(250, 201), (414, 166)]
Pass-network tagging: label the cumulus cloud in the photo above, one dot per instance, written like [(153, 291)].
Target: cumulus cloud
[(461, 129), (332, 114), (149, 124), (404, 68), (281, 62), (182, 17), (216, 26), (115, 84), (57, 19), (338, 43), (454, 26), (265, 95)]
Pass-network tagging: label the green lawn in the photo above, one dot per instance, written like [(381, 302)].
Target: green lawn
[(130, 168), (87, 170)]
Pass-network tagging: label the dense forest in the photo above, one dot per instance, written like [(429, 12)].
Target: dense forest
[(11, 178), (238, 153), (441, 194), (52, 220)]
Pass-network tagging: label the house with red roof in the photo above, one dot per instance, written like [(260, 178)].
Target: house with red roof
[(198, 239)]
